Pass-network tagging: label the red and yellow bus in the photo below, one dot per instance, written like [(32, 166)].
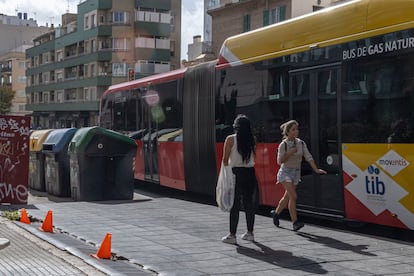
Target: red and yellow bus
[(345, 73)]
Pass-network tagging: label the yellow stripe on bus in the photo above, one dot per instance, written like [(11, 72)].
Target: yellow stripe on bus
[(344, 23)]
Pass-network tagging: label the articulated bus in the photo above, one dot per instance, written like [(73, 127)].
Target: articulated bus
[(345, 73)]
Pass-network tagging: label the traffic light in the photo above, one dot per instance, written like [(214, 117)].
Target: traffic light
[(131, 74)]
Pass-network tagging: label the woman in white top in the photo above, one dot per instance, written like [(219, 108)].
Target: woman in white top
[(289, 157), (239, 152)]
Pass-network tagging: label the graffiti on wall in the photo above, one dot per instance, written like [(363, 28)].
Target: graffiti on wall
[(14, 159)]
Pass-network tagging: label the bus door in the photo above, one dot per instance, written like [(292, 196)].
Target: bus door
[(150, 146), (314, 103)]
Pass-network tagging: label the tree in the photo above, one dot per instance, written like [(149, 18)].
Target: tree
[(6, 97)]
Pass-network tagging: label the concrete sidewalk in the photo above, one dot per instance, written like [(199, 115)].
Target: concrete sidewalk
[(169, 236), (29, 255)]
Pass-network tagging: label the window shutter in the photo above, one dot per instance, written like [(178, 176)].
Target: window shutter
[(265, 17), (282, 13), (246, 23)]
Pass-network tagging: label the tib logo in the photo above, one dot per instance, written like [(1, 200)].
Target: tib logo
[(373, 184)]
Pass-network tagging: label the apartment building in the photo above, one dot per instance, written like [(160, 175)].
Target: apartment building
[(105, 43), (17, 32), (13, 74)]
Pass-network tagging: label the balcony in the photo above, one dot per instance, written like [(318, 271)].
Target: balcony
[(100, 80), (6, 69), (153, 28), (66, 106)]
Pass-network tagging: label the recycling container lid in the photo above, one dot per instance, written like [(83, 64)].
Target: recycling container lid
[(37, 138), (58, 139), (84, 136)]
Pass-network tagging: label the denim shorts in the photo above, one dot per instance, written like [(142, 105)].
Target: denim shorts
[(291, 175)]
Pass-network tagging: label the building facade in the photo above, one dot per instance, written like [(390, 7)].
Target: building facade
[(17, 34), (13, 74), (195, 48), (19, 30), (105, 43)]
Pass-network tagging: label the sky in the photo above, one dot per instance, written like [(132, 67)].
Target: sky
[(50, 11)]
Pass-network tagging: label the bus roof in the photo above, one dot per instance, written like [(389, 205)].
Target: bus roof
[(153, 79), (338, 24)]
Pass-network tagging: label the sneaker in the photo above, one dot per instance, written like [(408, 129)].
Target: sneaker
[(247, 236), (230, 239), (275, 217), (297, 225)]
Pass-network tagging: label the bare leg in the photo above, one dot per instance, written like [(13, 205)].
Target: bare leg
[(291, 192), (283, 202)]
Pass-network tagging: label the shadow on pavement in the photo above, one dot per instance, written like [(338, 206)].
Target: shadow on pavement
[(281, 258), (334, 243), (14, 207)]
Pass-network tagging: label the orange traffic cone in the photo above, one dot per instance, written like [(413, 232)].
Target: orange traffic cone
[(104, 251), (47, 225), (23, 217)]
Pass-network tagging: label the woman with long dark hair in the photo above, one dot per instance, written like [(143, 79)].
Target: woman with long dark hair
[(239, 152)]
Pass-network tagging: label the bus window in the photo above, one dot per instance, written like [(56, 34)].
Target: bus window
[(277, 85), (119, 115), (376, 104), (356, 82), (106, 113), (300, 85), (385, 79), (170, 105), (275, 108), (327, 82), (132, 111)]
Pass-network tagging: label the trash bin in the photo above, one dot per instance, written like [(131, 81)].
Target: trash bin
[(101, 165), (37, 159), (55, 150)]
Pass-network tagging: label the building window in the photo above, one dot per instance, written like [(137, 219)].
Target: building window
[(120, 17), (86, 22), (273, 16), (93, 20), (46, 97), (59, 55), (246, 23), (90, 94), (93, 46), (59, 76), (21, 79), (93, 73), (119, 69), (120, 44), (317, 8), (277, 14), (59, 97)]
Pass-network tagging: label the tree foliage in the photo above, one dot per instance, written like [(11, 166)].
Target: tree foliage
[(6, 97)]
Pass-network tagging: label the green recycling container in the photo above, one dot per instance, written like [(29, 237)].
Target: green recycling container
[(101, 165)]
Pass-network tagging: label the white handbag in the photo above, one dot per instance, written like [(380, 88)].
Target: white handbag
[(225, 188)]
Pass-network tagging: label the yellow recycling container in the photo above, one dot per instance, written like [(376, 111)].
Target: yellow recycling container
[(37, 159)]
